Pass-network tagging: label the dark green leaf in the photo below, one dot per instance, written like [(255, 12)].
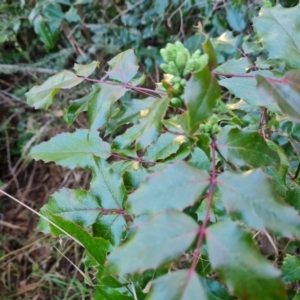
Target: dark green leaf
[(282, 42), (80, 105), (100, 106), (156, 241), (245, 271), (290, 269), (235, 18), (110, 227), (107, 185), (214, 290), (78, 206), (86, 70), (72, 149), (97, 247), (210, 51), (293, 196), (151, 123), (134, 178), (175, 187), (284, 92), (107, 293), (123, 67), (252, 198), (132, 112), (178, 285), (244, 147), (124, 140), (41, 96), (200, 96), (160, 6), (292, 129), (164, 146)]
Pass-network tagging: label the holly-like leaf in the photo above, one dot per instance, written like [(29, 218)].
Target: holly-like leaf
[(78, 206), (200, 96), (175, 187), (291, 128), (244, 147), (283, 41), (200, 159), (97, 247), (100, 106), (107, 185), (41, 96), (247, 274), (123, 67), (214, 290), (210, 51), (130, 113), (110, 227), (156, 241), (177, 285), (284, 92), (293, 196), (151, 123), (290, 269), (234, 66), (72, 149), (86, 70), (164, 146), (245, 89), (80, 105), (235, 18), (124, 140), (252, 198)]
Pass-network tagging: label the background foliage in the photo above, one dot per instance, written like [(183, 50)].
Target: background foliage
[(240, 142)]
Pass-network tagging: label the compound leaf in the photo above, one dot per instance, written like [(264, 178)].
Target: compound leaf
[(236, 258), (252, 198), (156, 241), (72, 150), (175, 187)]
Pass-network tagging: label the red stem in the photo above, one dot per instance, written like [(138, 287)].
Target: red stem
[(117, 211), (128, 86), (213, 182)]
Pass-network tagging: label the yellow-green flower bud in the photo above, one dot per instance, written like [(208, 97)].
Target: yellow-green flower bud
[(176, 102), (172, 68), (181, 60), (165, 68)]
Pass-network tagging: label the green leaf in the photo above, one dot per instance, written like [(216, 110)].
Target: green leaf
[(200, 96), (252, 198), (160, 6), (208, 48), (72, 149), (245, 271), (284, 92), (123, 67), (245, 88), (110, 227), (164, 146), (156, 241), (97, 247), (107, 293), (200, 159), (78, 206), (244, 147), (283, 41), (100, 106), (178, 285), (235, 18), (41, 96), (290, 269), (80, 105), (151, 123), (86, 70), (234, 66), (107, 185), (214, 290), (132, 112), (292, 129), (293, 196), (297, 296), (124, 140), (134, 178), (175, 187)]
